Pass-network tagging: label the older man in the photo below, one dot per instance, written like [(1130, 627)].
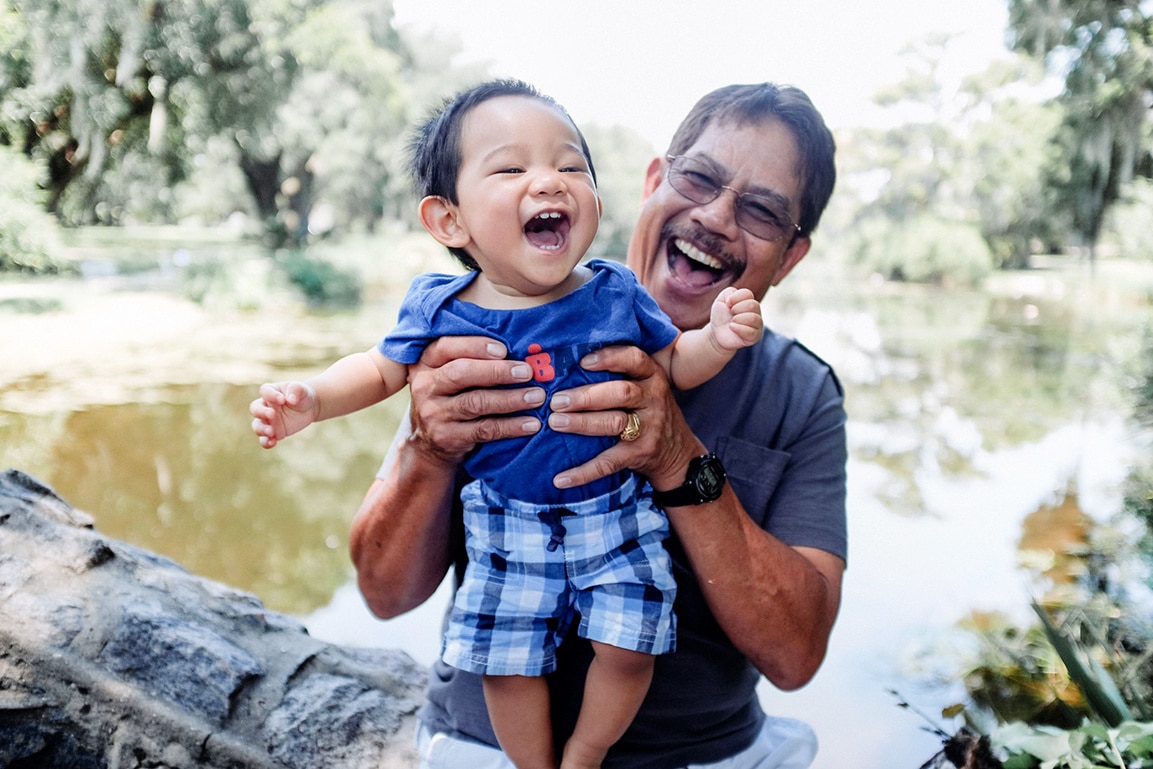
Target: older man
[(750, 467)]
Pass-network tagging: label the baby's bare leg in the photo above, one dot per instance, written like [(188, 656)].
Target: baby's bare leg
[(518, 707), (617, 682)]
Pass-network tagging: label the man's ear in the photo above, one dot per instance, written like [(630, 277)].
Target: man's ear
[(791, 258), (442, 220), (654, 175)]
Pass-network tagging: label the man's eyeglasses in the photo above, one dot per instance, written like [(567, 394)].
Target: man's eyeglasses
[(758, 215)]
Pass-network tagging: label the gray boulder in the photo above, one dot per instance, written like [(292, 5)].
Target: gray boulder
[(111, 657)]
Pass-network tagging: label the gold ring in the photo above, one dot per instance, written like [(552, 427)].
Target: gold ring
[(632, 429)]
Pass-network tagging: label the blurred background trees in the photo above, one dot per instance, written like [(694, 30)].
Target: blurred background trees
[(1102, 51), (291, 116)]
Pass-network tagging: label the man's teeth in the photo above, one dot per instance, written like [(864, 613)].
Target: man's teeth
[(548, 215), (697, 255)]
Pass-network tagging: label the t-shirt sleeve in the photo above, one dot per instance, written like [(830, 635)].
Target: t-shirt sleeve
[(656, 328), (406, 342)]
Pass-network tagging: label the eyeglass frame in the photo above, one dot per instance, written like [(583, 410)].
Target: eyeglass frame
[(738, 196)]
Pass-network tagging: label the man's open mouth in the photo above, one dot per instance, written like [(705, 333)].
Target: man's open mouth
[(548, 231), (693, 266)]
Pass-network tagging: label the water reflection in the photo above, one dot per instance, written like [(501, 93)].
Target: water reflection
[(186, 478), (972, 414)]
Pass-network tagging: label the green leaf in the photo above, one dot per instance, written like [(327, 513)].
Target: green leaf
[(1094, 681), (953, 710), (1044, 744), (1139, 737)]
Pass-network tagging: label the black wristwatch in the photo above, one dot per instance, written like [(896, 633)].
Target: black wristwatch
[(704, 482)]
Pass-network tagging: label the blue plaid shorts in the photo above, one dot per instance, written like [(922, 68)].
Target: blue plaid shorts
[(533, 568)]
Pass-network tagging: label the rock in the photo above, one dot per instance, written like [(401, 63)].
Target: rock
[(111, 657)]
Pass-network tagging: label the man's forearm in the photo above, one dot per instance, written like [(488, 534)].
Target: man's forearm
[(400, 536), (777, 604)]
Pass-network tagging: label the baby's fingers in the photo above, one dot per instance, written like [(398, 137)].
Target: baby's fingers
[(735, 296), (747, 326), (746, 306), (265, 433)]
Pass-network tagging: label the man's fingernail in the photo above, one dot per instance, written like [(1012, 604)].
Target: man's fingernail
[(562, 481), (495, 350), (530, 425), (561, 401), (558, 420), (521, 372), (590, 360), (534, 397)]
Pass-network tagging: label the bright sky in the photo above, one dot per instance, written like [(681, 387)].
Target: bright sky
[(642, 63)]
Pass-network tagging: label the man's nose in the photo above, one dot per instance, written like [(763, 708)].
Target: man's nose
[(720, 214)]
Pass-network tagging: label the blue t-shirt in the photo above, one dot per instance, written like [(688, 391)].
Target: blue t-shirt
[(610, 308)]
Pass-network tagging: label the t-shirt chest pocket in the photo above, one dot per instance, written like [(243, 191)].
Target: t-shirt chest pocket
[(754, 472)]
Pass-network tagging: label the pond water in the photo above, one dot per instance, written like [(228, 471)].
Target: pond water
[(971, 413)]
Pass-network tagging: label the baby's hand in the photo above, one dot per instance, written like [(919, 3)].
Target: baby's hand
[(735, 319), (283, 408)]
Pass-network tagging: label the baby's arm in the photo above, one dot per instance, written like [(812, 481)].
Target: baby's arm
[(700, 354), (354, 382)]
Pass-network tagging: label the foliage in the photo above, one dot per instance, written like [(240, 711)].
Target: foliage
[(926, 249), (110, 83), (321, 282), (620, 156), (969, 155), (1129, 223), (1008, 150), (1103, 51), (29, 241), (1138, 503), (300, 106), (1016, 675), (1089, 746)]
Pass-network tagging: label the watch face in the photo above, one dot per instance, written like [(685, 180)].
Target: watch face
[(710, 479)]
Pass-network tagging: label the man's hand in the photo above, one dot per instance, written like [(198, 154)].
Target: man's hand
[(283, 409), (454, 403), (666, 444)]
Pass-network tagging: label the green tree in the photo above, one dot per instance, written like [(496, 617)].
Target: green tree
[(620, 156), (29, 241), (1103, 51), (122, 86), (1008, 151), (122, 102), (956, 161)]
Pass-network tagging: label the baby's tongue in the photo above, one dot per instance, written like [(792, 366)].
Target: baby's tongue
[(543, 238)]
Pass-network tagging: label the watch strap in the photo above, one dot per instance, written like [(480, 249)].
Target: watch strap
[(704, 482)]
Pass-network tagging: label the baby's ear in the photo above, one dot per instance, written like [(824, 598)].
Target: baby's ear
[(442, 220)]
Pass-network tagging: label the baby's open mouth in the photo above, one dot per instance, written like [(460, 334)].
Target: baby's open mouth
[(547, 231)]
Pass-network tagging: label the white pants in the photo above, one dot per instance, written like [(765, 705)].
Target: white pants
[(783, 743)]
